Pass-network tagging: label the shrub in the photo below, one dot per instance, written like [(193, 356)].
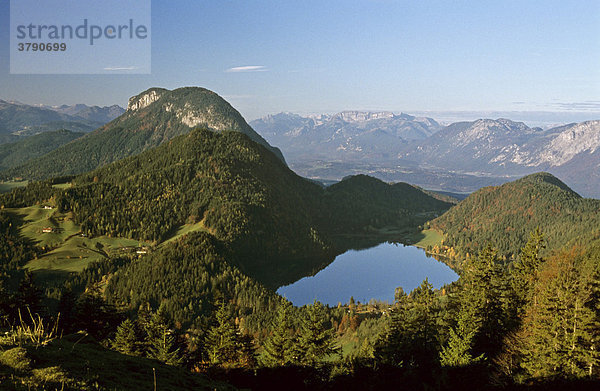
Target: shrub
[(15, 358)]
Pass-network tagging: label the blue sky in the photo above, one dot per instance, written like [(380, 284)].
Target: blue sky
[(326, 56)]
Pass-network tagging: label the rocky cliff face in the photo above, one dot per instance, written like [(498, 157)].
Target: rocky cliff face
[(145, 99), (575, 140), (503, 147)]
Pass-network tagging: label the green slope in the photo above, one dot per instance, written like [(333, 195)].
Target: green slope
[(505, 215), (276, 225), (186, 278), (22, 151), (153, 117), (362, 201), (78, 362)]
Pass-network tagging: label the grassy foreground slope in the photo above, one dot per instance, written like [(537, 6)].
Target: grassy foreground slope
[(78, 362)]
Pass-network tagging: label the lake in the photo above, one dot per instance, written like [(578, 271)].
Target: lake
[(372, 273)]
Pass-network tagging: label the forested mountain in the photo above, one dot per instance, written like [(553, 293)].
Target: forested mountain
[(186, 278), (190, 238), (200, 297), (20, 152), (246, 197), (505, 215), (152, 117), (362, 201), (229, 185)]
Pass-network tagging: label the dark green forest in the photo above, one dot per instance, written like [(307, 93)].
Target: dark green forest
[(199, 310), (273, 221), (505, 216), (26, 149)]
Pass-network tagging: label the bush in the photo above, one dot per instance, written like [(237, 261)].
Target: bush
[(16, 359), (50, 375)]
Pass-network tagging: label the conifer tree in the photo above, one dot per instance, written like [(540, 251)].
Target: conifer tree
[(66, 310), (457, 352), (95, 315), (316, 340), (28, 294), (162, 346), (279, 347), (561, 331), (159, 340), (246, 351), (486, 291), (525, 272), (411, 339), (126, 338), (221, 340)]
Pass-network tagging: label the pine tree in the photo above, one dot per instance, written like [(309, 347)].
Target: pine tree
[(411, 339), (66, 310), (561, 330), (457, 352), (525, 271), (279, 347), (221, 340), (95, 315), (246, 351), (485, 296), (126, 338), (153, 323), (162, 346), (28, 294), (316, 340), (159, 340)]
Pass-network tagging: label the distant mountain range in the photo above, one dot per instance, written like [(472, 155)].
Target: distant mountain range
[(91, 113), (353, 135), (460, 157), (506, 148), (22, 120), (402, 147)]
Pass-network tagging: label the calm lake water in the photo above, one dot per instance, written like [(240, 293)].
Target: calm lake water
[(368, 274)]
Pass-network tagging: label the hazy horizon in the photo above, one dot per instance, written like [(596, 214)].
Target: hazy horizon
[(266, 57)]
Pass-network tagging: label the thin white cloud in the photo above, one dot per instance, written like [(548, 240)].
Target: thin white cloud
[(239, 96), (588, 105), (120, 68), (247, 68)]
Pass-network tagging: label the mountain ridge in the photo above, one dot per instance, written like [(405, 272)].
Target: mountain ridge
[(325, 146), (505, 215), (19, 119), (26, 149), (346, 135), (140, 128)]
